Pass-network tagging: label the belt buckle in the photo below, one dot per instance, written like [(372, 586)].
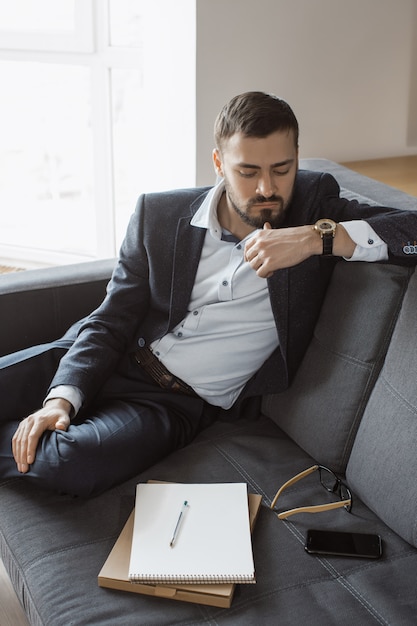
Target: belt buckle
[(167, 381)]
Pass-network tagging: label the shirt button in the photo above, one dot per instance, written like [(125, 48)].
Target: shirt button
[(195, 312), (179, 334), (225, 283), (370, 242), (239, 247)]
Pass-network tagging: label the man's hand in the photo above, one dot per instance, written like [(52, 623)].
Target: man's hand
[(275, 249), (53, 416)]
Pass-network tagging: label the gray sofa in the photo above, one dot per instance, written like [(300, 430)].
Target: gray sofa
[(352, 407)]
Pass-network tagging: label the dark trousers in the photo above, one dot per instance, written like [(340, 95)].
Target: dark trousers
[(132, 424)]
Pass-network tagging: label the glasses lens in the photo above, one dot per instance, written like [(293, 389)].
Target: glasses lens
[(328, 479)]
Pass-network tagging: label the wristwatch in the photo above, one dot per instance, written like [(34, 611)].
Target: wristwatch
[(327, 230)]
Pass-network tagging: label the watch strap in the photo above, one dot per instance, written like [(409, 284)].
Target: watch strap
[(327, 229), (327, 244)]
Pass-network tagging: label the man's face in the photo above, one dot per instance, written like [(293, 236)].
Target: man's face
[(259, 175)]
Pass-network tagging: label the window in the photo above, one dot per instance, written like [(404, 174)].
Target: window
[(46, 25), (98, 106)]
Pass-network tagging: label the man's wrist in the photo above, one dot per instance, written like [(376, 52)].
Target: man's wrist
[(326, 228), (343, 244), (316, 242), (69, 393), (60, 403)]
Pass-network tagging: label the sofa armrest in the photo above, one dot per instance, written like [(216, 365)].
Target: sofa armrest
[(38, 306), (369, 189)]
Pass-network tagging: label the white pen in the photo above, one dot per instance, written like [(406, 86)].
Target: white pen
[(177, 526)]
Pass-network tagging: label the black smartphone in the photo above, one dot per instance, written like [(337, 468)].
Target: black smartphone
[(343, 544)]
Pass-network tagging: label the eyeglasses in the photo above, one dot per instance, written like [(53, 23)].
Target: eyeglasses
[(330, 482)]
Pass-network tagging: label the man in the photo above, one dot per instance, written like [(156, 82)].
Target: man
[(212, 304)]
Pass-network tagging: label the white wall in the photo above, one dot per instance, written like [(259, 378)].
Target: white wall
[(347, 67)]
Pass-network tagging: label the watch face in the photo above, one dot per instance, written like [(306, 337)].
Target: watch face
[(326, 226)]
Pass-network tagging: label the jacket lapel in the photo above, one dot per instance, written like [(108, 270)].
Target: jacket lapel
[(188, 246)]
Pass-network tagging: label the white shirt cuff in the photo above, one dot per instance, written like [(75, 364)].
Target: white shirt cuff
[(369, 246), (67, 392)]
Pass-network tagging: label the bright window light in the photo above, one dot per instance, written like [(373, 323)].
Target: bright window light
[(39, 15), (87, 127)]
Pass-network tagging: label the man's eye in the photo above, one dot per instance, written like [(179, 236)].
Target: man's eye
[(281, 173), (247, 174)]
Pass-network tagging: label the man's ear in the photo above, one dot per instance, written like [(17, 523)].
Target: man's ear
[(218, 166)]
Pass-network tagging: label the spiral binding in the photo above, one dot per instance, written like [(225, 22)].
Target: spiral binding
[(191, 579)]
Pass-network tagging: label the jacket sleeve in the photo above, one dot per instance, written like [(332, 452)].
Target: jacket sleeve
[(396, 227), (105, 335)]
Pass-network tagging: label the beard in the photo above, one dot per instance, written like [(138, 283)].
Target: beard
[(275, 216)]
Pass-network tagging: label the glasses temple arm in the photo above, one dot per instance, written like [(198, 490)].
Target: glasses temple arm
[(293, 480), (314, 509)]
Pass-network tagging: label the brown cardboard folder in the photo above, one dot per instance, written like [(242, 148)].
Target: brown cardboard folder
[(115, 572)]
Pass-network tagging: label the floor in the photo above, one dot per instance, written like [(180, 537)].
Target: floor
[(399, 172), (11, 613)]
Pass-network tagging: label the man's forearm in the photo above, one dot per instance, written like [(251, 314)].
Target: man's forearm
[(273, 249)]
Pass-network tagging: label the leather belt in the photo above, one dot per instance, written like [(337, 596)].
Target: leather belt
[(160, 374)]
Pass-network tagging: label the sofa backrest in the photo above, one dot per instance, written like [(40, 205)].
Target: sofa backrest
[(322, 409), (382, 468), (37, 306)]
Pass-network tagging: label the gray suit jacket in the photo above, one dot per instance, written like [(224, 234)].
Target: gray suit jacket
[(150, 289)]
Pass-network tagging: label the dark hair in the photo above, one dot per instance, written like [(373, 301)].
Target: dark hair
[(255, 114)]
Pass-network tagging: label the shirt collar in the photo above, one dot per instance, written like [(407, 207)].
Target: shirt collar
[(206, 215)]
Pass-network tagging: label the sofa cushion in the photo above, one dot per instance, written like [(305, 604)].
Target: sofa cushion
[(383, 466), (323, 407), (54, 546)]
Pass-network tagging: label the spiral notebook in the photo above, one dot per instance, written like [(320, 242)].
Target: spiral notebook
[(114, 573), (191, 533)]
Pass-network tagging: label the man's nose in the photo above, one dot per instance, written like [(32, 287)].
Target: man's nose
[(266, 186)]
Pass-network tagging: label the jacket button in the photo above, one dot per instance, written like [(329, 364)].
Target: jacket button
[(141, 342)]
